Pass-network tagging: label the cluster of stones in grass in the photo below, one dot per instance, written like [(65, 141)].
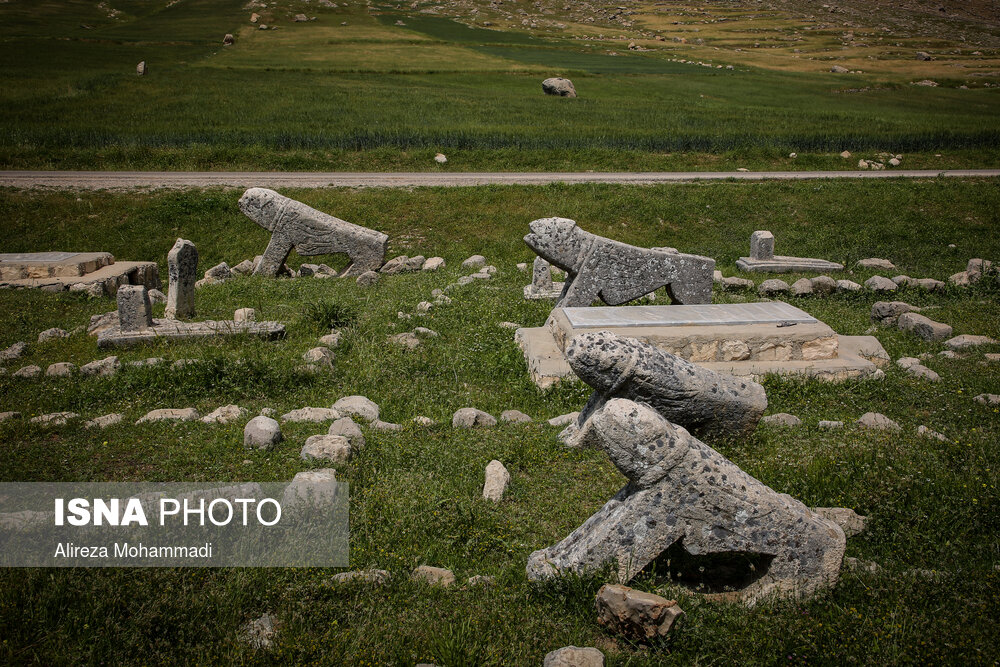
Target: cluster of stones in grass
[(105, 367), (870, 420), (412, 339)]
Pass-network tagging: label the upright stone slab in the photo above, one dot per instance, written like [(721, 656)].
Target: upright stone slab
[(615, 272), (762, 245), (541, 286), (709, 404), (134, 310), (182, 273), (310, 232), (713, 526)]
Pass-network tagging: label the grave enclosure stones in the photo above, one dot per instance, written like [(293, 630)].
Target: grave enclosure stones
[(762, 258)]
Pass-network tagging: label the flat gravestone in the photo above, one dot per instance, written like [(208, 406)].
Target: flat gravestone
[(772, 312), (35, 265)]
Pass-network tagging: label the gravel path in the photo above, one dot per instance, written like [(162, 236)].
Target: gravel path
[(119, 180)]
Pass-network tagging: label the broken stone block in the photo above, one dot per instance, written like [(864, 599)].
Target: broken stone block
[(261, 433), (141, 69), (635, 614), (616, 272), (359, 406), (104, 421), (435, 576), (733, 283), (967, 340), (54, 418), (887, 312), (830, 424), (474, 262), (182, 274), (988, 399), (497, 479), (574, 656), (876, 263), (928, 433), (687, 503), (960, 279), (471, 417), (335, 448), (259, 633), (924, 327), (319, 355), (310, 232), (134, 309), (709, 404), (823, 285), (848, 286), (762, 245)]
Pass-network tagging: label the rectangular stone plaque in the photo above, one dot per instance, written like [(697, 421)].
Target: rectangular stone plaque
[(32, 257), (772, 312)]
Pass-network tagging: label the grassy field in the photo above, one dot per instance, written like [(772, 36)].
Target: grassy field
[(353, 90), (933, 506)]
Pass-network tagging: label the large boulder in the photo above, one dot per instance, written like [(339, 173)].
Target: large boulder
[(559, 86)]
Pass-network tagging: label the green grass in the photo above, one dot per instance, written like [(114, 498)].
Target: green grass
[(375, 96), (415, 494)]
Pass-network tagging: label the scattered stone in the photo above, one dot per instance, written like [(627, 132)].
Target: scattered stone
[(509, 325), (421, 420), (434, 576), (988, 399), (310, 232), (135, 311), (102, 322), (966, 340), (367, 279), (335, 448), (183, 363), (781, 419), (960, 279), (380, 425), (929, 284), (839, 69), (474, 262), (471, 417), (224, 415), (923, 55), (377, 577), (683, 495), (347, 428), (169, 414), (268, 412), (140, 69), (359, 406), (4, 416), (849, 521), (311, 487), (888, 312), (104, 421), (876, 263), (52, 334), (558, 86), (635, 614), (245, 315), (801, 287), (924, 327), (106, 367), (228, 40), (63, 369), (311, 415), (406, 339), (733, 283), (94, 290), (823, 285), (182, 272), (707, 403), (258, 634), (574, 656), (424, 307), (332, 339), (903, 281), (244, 268), (15, 351), (848, 286), (928, 433), (433, 264), (27, 372), (514, 417), (829, 424), (846, 155), (440, 158), (319, 355), (480, 580), (773, 286), (156, 296), (497, 479), (424, 332), (400, 264), (261, 433), (859, 564), (615, 272), (54, 418), (563, 420), (878, 421), (921, 371), (880, 284), (977, 267)]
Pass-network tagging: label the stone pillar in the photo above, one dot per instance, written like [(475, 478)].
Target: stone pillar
[(541, 275), (182, 273), (134, 310), (762, 245)]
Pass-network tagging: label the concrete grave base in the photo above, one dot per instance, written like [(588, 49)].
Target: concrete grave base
[(746, 340), (177, 330), (58, 271)]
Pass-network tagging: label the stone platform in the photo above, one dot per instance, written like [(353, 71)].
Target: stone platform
[(58, 271), (782, 264), (172, 330), (740, 339)]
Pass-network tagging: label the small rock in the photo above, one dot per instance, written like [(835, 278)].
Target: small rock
[(377, 577), (311, 415), (574, 656), (424, 307), (480, 580), (929, 284), (635, 613), (474, 262), (367, 279), (420, 420), (440, 158), (848, 286), (960, 279), (823, 284), (224, 415), (509, 325), (888, 312), (17, 350), (220, 272), (988, 399), (497, 479), (4, 416), (880, 284), (773, 286), (346, 427), (829, 424), (522, 266), (471, 417), (563, 420), (433, 264), (319, 355), (558, 86), (406, 339), (846, 155), (921, 371), (734, 283), (359, 406), (331, 340), (878, 421), (514, 417), (228, 40), (424, 332), (380, 425), (156, 296), (245, 315), (104, 421), (169, 414), (94, 290), (966, 340), (258, 634), (924, 327), (928, 433), (801, 287), (54, 418), (335, 448), (62, 369), (876, 263), (244, 268), (104, 367), (261, 433), (839, 69), (52, 334), (27, 372), (902, 281), (781, 419), (435, 576)]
